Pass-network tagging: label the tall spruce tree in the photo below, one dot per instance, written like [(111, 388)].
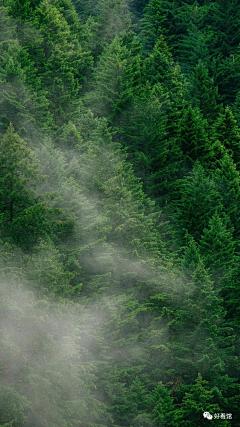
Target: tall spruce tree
[(199, 198), (196, 402), (193, 136), (226, 130), (24, 214), (204, 92), (217, 246)]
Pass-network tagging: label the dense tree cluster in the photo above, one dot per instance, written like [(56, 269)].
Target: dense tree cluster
[(119, 213)]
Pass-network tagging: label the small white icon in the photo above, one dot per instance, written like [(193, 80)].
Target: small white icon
[(207, 415)]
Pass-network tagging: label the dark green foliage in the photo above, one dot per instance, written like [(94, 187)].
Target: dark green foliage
[(24, 214), (160, 68), (153, 22), (160, 405), (193, 136), (110, 308), (117, 77), (226, 130), (204, 93), (199, 199), (197, 401), (62, 62), (217, 246)]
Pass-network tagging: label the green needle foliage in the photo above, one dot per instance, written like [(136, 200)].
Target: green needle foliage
[(119, 213), (24, 214)]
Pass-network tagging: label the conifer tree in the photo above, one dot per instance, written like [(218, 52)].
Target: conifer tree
[(113, 19), (204, 92), (227, 77), (22, 10), (159, 67), (203, 330), (23, 212), (12, 406), (193, 136), (217, 246), (226, 130), (193, 47), (61, 62), (22, 96), (191, 256), (231, 297), (226, 27), (199, 198), (160, 405), (195, 403), (227, 179), (153, 23), (117, 77)]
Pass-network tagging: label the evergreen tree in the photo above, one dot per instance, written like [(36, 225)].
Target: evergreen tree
[(191, 256), (199, 199), (113, 19), (226, 130), (153, 23), (230, 294), (23, 213), (204, 92), (226, 27), (61, 62), (12, 406), (227, 77), (21, 94), (195, 403), (22, 10), (217, 246), (160, 405), (227, 179), (193, 48), (203, 330), (193, 136), (160, 68), (116, 78)]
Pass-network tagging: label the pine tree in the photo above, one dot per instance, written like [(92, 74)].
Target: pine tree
[(160, 406), (60, 61), (117, 77), (217, 246), (22, 96), (193, 136), (12, 406), (195, 403), (226, 130), (227, 77), (159, 67), (200, 322), (23, 212), (227, 179), (230, 294), (199, 198), (113, 19), (191, 256), (22, 10), (193, 48), (153, 23), (204, 92), (226, 27)]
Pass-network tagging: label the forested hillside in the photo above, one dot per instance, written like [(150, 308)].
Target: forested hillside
[(119, 213)]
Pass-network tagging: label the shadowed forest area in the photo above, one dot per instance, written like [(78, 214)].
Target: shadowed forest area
[(119, 213)]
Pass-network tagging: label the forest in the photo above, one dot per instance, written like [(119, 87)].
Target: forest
[(119, 213)]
